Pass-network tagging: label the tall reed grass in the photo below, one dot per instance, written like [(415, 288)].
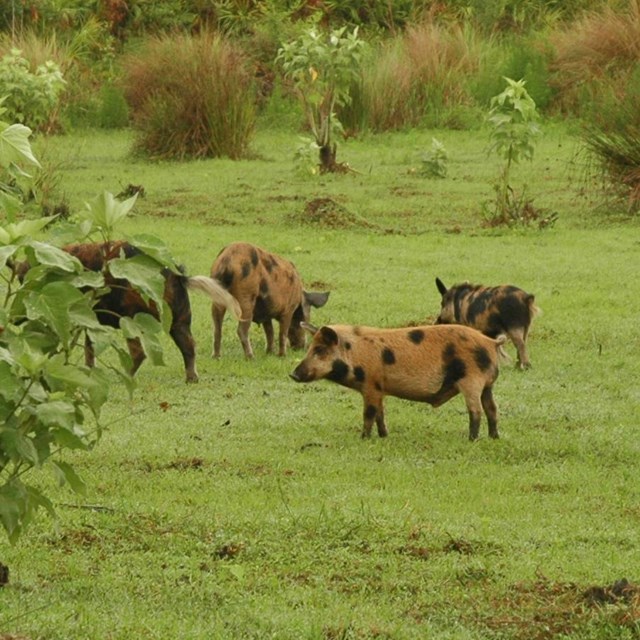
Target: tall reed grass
[(418, 76), (191, 97)]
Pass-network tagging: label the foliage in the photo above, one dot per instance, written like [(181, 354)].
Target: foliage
[(191, 97), (32, 98), (15, 154), (114, 111), (600, 45), (611, 133), (434, 161), (514, 121), (49, 403), (322, 68)]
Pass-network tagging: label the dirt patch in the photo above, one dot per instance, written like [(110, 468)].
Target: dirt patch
[(329, 214), (186, 464), (544, 609)]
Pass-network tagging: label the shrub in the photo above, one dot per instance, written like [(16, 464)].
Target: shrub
[(612, 136), (191, 97), (32, 97), (114, 111), (419, 76), (601, 45)]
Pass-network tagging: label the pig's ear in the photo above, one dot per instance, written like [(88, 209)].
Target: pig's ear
[(441, 288), (329, 336), (307, 326), (316, 299)]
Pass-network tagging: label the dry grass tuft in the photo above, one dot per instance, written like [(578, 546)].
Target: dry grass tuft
[(192, 97)]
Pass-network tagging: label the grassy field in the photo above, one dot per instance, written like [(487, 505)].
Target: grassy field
[(247, 506)]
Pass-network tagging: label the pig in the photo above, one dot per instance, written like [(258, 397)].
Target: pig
[(497, 310), (123, 300), (267, 287), (430, 364)]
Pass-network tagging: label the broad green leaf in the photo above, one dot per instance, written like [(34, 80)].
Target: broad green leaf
[(147, 329), (10, 510), (58, 413), (66, 473), (143, 273), (24, 229), (62, 375), (6, 253), (51, 304), (11, 206), (15, 147), (48, 255), (105, 212), (10, 384)]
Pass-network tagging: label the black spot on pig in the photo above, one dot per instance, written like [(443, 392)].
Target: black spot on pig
[(358, 373), (388, 357), (246, 269), (482, 358), (339, 371), (416, 336)]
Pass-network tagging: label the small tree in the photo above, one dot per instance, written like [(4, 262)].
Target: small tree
[(514, 121), (322, 68)]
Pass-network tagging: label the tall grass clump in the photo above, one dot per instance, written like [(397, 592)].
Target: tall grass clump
[(600, 45), (419, 77), (191, 97), (612, 136)]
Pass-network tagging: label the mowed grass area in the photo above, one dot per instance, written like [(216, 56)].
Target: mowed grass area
[(247, 506)]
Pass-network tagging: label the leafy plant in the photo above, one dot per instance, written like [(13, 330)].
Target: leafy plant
[(15, 155), (50, 402), (32, 97), (322, 68), (434, 161), (514, 120)]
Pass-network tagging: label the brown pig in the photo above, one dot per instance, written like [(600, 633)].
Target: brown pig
[(267, 287), (427, 364), (122, 299), (492, 310)]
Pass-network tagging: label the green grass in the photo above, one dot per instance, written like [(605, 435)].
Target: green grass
[(248, 506)]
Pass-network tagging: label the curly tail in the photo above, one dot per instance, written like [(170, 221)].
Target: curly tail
[(502, 354), (216, 292)]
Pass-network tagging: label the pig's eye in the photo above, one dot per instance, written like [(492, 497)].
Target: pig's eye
[(319, 351)]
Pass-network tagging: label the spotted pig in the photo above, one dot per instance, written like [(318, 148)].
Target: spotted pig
[(492, 310), (426, 364), (267, 287), (123, 300)]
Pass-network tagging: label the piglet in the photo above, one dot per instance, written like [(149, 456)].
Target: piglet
[(426, 364)]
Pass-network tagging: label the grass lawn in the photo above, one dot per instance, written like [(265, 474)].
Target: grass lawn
[(247, 506)]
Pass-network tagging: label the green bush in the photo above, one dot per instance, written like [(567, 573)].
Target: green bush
[(114, 111), (191, 97), (612, 135), (32, 97)]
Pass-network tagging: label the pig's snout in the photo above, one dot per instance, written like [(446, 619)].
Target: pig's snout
[(300, 374)]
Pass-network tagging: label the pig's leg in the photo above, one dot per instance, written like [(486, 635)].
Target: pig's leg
[(518, 337), (243, 334), (373, 411), (490, 410), (217, 316), (89, 353), (181, 334), (137, 353), (268, 332), (285, 323), (474, 406)]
